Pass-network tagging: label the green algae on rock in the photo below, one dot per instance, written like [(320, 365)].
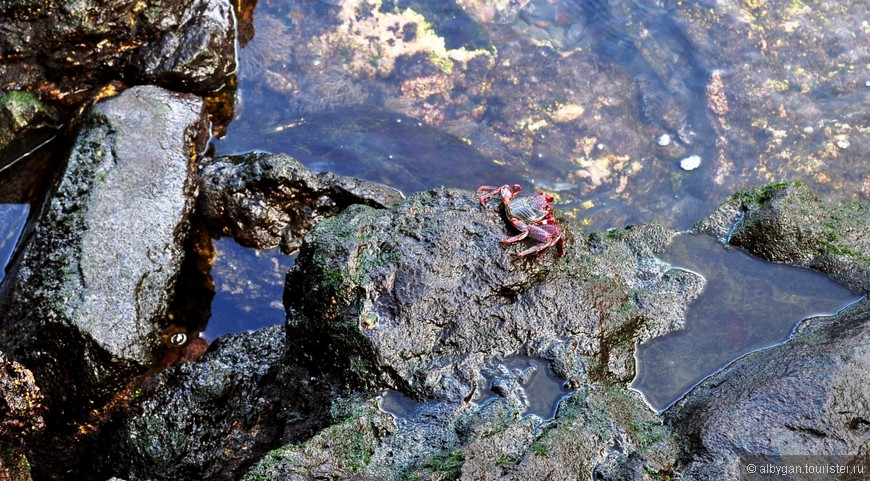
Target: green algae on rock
[(25, 124), (91, 288), (786, 222)]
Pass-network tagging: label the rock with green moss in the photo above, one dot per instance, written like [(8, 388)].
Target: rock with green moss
[(786, 222), (342, 451), (421, 296), (805, 397), (600, 433), (605, 431), (25, 123), (211, 417), (85, 301)]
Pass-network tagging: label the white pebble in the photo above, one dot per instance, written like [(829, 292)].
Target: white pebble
[(664, 140), (691, 162), (843, 144)]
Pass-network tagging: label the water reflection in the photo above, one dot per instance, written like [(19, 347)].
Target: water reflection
[(395, 403), (747, 304), (249, 288), (22, 187), (13, 217), (528, 378), (376, 145)]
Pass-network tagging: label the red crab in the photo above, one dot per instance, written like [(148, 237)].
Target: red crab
[(532, 215)]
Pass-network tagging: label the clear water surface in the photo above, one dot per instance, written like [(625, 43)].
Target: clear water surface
[(249, 288), (747, 304), (542, 389)]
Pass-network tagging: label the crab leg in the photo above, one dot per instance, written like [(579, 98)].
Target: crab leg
[(507, 192), (548, 236), (521, 226)]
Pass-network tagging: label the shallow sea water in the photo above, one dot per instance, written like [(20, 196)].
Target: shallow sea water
[(542, 389), (249, 288)]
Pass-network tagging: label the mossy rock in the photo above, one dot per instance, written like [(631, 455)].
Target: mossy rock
[(786, 222)]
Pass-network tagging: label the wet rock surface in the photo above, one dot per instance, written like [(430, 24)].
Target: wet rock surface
[(417, 297), (265, 200), (59, 55), (422, 297), (601, 430), (209, 418), (89, 293), (196, 50), (25, 123), (786, 222), (21, 411), (806, 397), (72, 47)]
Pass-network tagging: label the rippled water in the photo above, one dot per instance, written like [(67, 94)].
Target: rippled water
[(747, 304)]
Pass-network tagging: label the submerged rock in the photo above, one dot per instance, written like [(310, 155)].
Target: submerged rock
[(265, 200), (86, 299), (209, 418)]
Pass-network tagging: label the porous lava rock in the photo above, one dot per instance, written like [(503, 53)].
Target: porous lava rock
[(267, 200)]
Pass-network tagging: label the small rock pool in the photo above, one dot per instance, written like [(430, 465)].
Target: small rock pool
[(747, 304)]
